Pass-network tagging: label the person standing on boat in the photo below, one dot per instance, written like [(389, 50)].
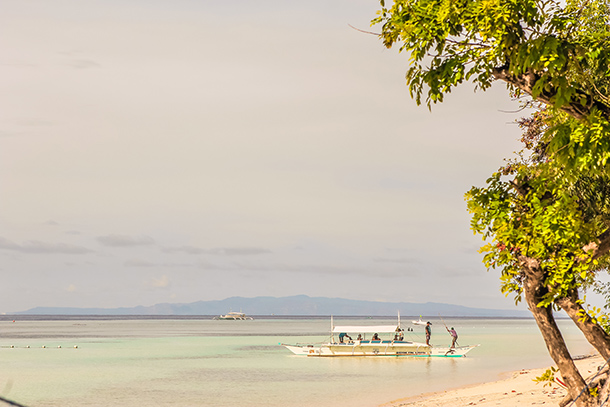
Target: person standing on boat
[(454, 336), (428, 333)]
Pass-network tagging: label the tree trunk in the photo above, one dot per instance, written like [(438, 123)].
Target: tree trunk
[(595, 335), (534, 289)]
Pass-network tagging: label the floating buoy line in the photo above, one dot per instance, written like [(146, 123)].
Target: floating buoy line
[(30, 347)]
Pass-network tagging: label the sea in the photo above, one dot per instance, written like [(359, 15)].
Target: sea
[(129, 361)]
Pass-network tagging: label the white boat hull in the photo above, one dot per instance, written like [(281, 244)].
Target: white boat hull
[(234, 316), (376, 348)]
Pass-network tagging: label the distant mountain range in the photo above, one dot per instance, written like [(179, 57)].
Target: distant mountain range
[(294, 305)]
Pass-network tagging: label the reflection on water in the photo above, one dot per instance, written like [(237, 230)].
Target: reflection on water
[(190, 362)]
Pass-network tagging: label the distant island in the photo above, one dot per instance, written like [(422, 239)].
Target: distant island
[(298, 305)]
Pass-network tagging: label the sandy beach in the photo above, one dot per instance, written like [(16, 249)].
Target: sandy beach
[(518, 389)]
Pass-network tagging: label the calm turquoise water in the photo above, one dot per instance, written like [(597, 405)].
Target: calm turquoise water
[(187, 363)]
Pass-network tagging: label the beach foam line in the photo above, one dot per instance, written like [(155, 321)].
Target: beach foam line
[(519, 389)]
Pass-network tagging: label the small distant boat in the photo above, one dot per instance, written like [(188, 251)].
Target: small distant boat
[(419, 322), (373, 345), (234, 316)]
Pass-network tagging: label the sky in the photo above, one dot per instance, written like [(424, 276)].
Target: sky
[(178, 151)]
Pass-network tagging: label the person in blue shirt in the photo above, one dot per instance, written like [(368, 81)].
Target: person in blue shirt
[(428, 332)]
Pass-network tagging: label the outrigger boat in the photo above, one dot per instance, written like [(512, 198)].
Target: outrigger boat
[(234, 316), (419, 322), (368, 343)]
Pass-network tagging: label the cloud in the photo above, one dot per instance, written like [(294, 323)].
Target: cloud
[(34, 122), (457, 271), (185, 249), (342, 270), (146, 263), (219, 251), (38, 247), (206, 265), (125, 241), (240, 251), (177, 265), (307, 269), (139, 263), (403, 260), (83, 64), (4, 133), (162, 282), (19, 64)]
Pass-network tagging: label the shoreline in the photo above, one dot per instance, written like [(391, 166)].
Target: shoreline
[(518, 389)]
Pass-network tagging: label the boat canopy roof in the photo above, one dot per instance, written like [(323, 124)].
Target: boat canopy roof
[(364, 329)]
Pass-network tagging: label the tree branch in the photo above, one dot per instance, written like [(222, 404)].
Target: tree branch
[(601, 247), (526, 81), (595, 335), (365, 32)]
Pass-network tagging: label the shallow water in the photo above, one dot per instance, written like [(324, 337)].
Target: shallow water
[(190, 362)]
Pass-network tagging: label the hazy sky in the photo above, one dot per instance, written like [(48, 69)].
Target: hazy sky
[(175, 151)]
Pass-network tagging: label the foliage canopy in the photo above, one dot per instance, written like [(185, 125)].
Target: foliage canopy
[(556, 54)]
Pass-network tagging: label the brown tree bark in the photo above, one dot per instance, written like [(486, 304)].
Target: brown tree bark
[(594, 334), (534, 290), (601, 247)]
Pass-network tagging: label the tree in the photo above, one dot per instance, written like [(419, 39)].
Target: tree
[(544, 223), (546, 214)]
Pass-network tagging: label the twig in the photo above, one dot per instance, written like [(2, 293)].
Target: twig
[(366, 32)]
